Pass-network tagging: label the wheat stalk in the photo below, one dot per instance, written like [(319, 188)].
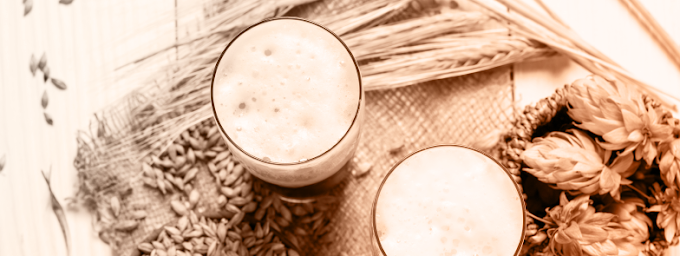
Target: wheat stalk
[(526, 21), (654, 29), (464, 55), (373, 42), (233, 18), (368, 14), (360, 42), (447, 57)]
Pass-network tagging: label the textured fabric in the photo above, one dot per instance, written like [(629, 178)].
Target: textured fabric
[(452, 111)]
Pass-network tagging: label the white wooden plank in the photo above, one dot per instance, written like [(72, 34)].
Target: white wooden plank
[(84, 43), (8, 240), (610, 28)]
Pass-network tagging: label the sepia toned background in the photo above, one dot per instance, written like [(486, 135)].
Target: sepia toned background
[(88, 43)]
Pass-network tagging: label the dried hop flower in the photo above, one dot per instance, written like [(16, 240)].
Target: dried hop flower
[(669, 164), (575, 228), (631, 218), (573, 161), (668, 207), (618, 114)]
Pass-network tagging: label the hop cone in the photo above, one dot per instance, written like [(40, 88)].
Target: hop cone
[(618, 114), (573, 161), (627, 211), (575, 228), (669, 164), (668, 208)]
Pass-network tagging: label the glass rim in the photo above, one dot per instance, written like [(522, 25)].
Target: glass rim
[(356, 114), (374, 230)]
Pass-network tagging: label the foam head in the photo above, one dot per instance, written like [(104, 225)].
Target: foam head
[(449, 200), (286, 90)]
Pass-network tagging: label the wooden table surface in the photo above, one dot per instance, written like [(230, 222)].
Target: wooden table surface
[(86, 42)]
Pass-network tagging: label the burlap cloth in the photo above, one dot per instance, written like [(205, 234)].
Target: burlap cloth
[(458, 110)]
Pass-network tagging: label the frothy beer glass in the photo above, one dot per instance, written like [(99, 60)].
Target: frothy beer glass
[(287, 97), (448, 200)]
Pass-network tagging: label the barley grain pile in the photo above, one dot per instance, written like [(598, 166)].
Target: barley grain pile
[(235, 215)]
